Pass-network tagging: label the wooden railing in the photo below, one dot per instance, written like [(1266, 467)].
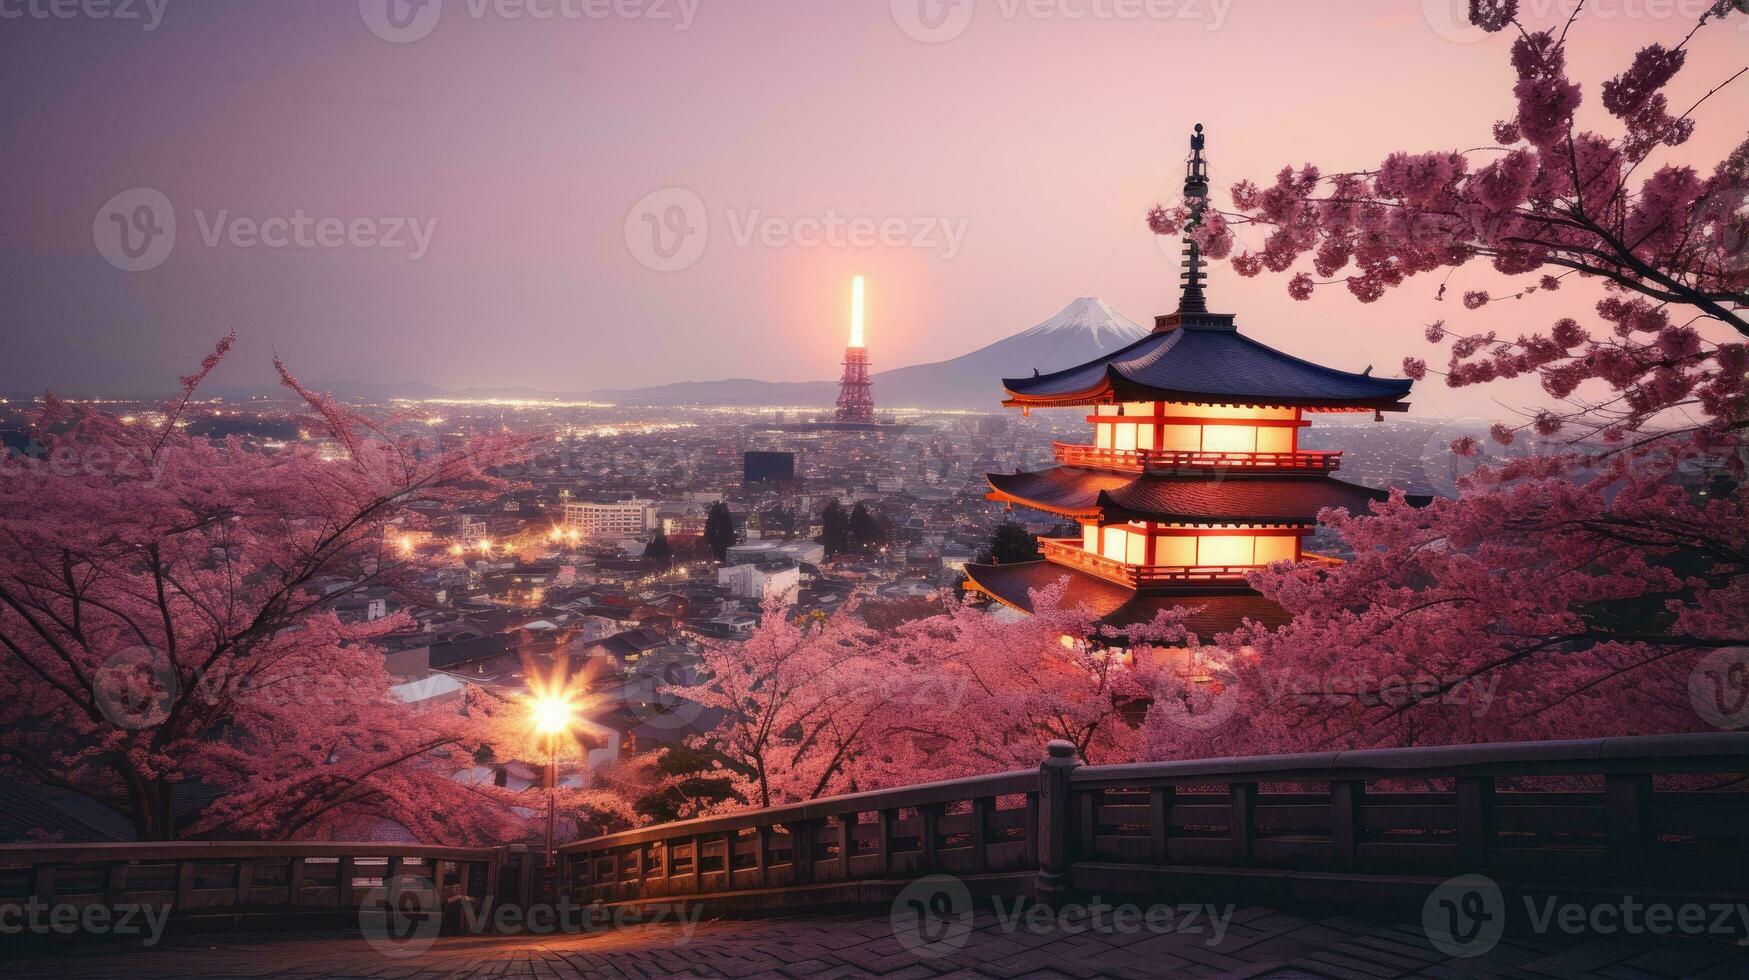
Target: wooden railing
[(1137, 460), (1617, 814), (195, 877), (1071, 551), (977, 826), (1613, 811), (1598, 811)]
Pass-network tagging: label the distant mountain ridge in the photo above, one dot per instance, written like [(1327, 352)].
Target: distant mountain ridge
[(1083, 330)]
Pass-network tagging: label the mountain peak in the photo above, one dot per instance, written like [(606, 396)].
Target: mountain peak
[(1092, 316)]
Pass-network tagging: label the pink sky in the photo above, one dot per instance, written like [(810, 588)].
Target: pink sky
[(528, 142)]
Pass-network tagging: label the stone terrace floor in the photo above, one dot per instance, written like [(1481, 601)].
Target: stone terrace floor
[(1259, 942)]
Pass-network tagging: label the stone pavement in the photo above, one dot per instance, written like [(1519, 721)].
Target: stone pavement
[(1256, 942)]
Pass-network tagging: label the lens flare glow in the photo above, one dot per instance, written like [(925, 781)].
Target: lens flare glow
[(856, 313)]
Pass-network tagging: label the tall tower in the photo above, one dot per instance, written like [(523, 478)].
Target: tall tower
[(855, 390)]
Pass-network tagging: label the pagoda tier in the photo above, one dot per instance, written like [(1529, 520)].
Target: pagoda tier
[(1217, 611), (1203, 359), (1204, 499)]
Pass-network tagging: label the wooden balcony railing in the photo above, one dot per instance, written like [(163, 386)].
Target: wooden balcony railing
[(1069, 551), (1138, 460), (1325, 826), (977, 826), (1612, 816), (198, 877)]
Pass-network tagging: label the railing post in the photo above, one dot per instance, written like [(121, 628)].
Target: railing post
[(1345, 800), (888, 819), (981, 808), (762, 854), (1475, 820), (1054, 830), (1243, 810), (846, 843), (929, 815), (1628, 814), (1160, 800), (802, 835), (342, 882)]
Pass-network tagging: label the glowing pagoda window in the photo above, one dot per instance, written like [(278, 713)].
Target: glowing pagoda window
[(1090, 537), (1181, 438), (1114, 543), (1175, 551), (1225, 549), (1275, 439), (1102, 436), (1229, 438), (1125, 436)]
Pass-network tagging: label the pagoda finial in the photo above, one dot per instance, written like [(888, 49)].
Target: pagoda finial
[(1196, 192)]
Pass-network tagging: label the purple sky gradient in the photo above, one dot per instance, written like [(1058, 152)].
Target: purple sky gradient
[(529, 141)]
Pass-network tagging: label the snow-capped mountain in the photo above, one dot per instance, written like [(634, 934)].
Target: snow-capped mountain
[(1084, 329)]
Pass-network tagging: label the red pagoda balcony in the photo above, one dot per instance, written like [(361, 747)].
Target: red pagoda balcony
[(1138, 460), (1069, 552)]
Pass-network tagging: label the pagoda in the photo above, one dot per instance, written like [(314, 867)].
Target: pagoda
[(1194, 476)]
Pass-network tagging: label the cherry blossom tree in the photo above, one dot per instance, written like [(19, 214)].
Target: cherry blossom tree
[(818, 705), (1573, 592), (168, 624)]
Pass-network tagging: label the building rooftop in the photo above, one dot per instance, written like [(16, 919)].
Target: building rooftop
[(1203, 358), (1121, 607)]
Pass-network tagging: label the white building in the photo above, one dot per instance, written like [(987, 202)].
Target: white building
[(619, 519), (777, 578)]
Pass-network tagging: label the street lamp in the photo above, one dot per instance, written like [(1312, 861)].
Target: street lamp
[(553, 714)]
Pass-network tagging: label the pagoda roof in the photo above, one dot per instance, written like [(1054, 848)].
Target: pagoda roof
[(1120, 607), (1221, 498), (1203, 358), (1066, 490)]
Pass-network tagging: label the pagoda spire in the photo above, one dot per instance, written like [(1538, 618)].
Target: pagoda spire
[(1196, 192)]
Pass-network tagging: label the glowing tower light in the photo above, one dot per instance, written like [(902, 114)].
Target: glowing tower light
[(856, 313)]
